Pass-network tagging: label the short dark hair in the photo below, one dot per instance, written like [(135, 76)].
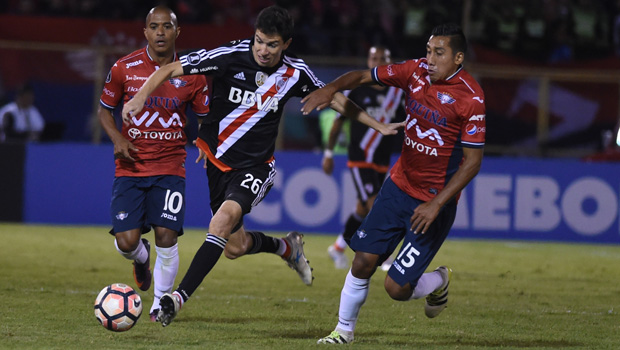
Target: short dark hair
[(458, 43), (164, 8), (275, 20)]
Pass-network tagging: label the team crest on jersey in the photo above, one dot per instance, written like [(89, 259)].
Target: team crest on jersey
[(445, 98), (281, 83), (260, 78), (177, 83)]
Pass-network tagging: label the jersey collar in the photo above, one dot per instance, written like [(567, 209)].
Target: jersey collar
[(151, 58), (455, 73)]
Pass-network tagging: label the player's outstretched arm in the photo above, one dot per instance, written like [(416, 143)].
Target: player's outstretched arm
[(322, 98), (341, 104), (135, 105)]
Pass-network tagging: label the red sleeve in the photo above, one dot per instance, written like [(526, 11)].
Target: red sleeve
[(473, 131), (396, 74), (113, 88)]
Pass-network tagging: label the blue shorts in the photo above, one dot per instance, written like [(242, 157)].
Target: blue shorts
[(389, 222), (142, 202)]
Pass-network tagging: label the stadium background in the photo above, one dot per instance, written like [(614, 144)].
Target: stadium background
[(550, 74)]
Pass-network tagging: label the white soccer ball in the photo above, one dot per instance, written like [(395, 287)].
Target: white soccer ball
[(118, 307)]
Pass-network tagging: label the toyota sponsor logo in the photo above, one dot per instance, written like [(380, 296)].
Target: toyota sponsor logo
[(134, 133), (155, 135)]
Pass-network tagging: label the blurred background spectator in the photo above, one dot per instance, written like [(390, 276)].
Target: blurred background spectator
[(549, 67), (21, 121), (560, 29)]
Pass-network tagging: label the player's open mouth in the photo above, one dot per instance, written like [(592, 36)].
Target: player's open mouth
[(160, 43)]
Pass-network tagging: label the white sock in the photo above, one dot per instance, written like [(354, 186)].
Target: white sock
[(155, 305), (340, 242), (352, 297), (428, 283), (165, 271), (282, 248), (140, 254)]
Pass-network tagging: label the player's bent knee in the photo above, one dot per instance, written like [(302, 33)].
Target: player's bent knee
[(166, 239), (396, 291), (126, 244), (364, 265)]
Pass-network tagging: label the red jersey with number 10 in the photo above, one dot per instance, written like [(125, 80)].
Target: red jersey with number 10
[(442, 118), (158, 131)]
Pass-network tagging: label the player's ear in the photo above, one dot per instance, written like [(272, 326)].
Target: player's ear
[(178, 32), (459, 58), (286, 44)]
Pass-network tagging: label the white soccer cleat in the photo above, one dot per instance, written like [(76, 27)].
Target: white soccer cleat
[(339, 257), (336, 337), (169, 306), (297, 260), (438, 300)]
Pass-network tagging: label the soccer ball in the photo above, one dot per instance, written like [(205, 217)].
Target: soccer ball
[(118, 307)]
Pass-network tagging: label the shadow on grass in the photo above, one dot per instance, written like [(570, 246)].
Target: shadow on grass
[(399, 339), (371, 338), (222, 320)]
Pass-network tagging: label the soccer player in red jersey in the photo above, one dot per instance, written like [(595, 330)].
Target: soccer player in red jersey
[(441, 153), (149, 183), (252, 80), (368, 151)]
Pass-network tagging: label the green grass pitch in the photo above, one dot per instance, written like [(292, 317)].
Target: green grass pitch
[(504, 295)]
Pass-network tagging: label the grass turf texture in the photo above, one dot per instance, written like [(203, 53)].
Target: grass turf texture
[(504, 295)]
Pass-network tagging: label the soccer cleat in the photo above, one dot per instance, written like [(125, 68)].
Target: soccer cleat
[(335, 337), (339, 257), (438, 300), (142, 272), (153, 315), (169, 306), (297, 260)]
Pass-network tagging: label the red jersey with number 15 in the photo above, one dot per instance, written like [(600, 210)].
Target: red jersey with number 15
[(158, 131), (442, 118)]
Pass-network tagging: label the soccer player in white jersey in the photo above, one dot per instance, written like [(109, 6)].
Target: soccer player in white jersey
[(252, 80)]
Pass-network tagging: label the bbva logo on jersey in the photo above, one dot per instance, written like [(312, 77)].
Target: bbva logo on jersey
[(251, 99)]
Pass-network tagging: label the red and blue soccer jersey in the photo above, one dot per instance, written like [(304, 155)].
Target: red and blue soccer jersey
[(158, 132), (442, 118), (246, 103)]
